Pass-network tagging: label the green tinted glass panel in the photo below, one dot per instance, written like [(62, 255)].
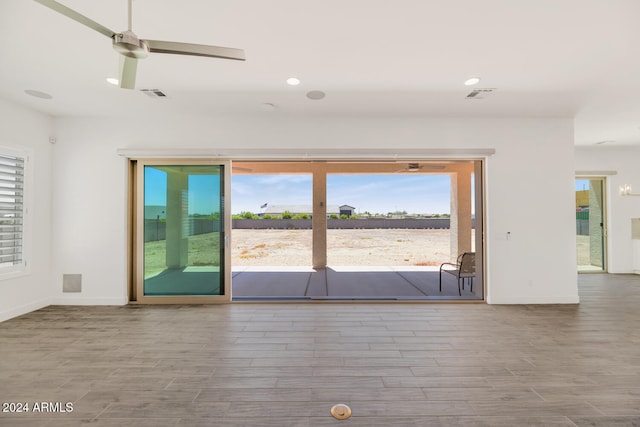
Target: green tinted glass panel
[(183, 230)]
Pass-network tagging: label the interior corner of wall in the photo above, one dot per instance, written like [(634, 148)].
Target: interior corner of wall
[(24, 309)]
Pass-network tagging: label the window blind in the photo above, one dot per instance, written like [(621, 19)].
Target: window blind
[(11, 209)]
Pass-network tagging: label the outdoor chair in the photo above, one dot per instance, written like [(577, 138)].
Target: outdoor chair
[(464, 268)]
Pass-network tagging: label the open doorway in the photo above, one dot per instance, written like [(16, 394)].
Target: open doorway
[(271, 242), (441, 221), (590, 225)]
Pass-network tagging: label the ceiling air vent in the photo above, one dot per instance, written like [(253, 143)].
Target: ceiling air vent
[(479, 93), (153, 93)]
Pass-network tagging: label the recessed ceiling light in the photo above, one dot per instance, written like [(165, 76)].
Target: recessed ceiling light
[(472, 81), (113, 81), (316, 94), (293, 81), (38, 94)]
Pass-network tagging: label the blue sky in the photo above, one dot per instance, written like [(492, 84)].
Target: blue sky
[(582, 184), (204, 195), (424, 194), (381, 193), (374, 193)]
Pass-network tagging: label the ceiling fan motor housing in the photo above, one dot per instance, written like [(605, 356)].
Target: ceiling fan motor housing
[(128, 44)]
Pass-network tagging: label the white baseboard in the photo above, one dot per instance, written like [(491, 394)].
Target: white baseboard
[(545, 299), (24, 309), (88, 301)]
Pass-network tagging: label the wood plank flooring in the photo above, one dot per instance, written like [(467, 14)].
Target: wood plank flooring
[(282, 364)]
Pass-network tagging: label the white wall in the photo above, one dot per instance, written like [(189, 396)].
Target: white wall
[(620, 210), (530, 188), (24, 129)]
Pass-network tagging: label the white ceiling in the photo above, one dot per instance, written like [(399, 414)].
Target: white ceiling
[(546, 58)]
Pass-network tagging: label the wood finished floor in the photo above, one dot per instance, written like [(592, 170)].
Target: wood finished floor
[(287, 364)]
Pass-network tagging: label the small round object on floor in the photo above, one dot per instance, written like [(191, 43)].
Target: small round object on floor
[(340, 411)]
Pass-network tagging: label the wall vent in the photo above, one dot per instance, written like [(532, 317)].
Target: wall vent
[(153, 93), (479, 93), (72, 283)]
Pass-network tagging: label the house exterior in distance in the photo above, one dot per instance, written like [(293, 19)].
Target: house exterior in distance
[(346, 210), (277, 210)]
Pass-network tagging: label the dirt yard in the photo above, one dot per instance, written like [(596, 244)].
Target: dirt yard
[(389, 247), (352, 247)]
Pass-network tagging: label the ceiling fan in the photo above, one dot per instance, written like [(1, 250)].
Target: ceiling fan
[(416, 167), (132, 48)]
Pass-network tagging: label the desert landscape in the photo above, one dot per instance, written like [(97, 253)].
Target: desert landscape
[(360, 247)]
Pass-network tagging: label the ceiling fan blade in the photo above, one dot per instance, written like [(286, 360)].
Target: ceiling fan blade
[(70, 13), (128, 68), (159, 46)]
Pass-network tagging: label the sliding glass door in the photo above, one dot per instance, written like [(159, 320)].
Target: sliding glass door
[(181, 232)]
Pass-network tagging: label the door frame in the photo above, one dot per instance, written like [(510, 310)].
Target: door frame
[(321, 168), (226, 156), (605, 228), (136, 232)]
